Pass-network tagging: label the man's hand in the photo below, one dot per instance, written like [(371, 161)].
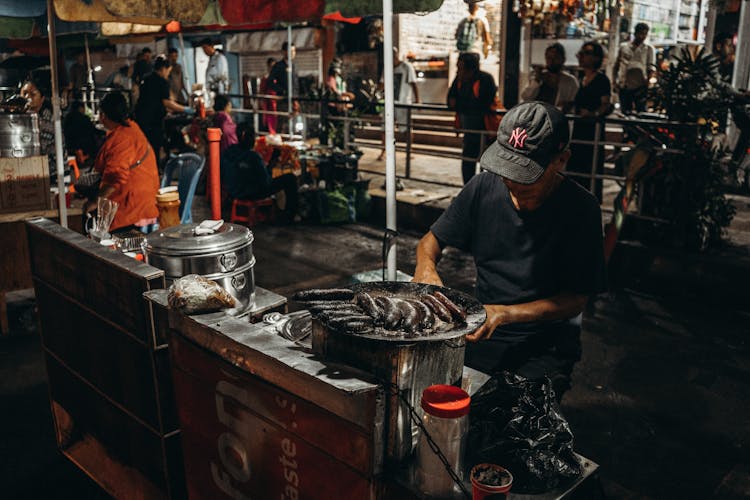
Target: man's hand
[(497, 315), (428, 276)]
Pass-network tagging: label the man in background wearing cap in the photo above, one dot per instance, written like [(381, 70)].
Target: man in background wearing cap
[(536, 238)]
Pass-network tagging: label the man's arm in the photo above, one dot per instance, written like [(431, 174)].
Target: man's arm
[(487, 39), (616, 72), (428, 255), (557, 307)]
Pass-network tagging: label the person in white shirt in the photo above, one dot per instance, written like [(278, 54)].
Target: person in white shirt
[(633, 68), (552, 84), (473, 33), (217, 71)]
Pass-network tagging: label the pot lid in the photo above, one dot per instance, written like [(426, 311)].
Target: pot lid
[(182, 240)]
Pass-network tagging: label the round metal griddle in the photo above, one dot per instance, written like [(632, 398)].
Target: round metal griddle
[(475, 313)]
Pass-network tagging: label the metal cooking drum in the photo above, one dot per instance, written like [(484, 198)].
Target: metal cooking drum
[(408, 365), (225, 256), (19, 135)]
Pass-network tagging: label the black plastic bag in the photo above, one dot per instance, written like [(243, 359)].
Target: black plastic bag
[(516, 423)]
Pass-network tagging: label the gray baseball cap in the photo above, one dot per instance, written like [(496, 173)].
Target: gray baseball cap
[(529, 136)]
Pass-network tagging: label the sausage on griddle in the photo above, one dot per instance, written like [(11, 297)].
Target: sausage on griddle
[(458, 313), (324, 294), (335, 315), (391, 313), (410, 321), (426, 317), (329, 305), (368, 305), (356, 327), (437, 307)]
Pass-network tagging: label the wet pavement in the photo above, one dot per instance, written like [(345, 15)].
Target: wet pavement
[(660, 397)]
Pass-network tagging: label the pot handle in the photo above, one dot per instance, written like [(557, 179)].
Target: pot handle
[(239, 282), (228, 261)]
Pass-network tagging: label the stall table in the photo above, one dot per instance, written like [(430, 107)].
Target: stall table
[(265, 417)]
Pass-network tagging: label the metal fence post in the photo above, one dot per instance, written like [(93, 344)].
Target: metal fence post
[(408, 142), (346, 128), (595, 156)]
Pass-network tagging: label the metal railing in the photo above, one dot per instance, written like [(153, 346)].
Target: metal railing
[(412, 126)]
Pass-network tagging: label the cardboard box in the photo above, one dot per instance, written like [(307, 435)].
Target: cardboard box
[(24, 184)]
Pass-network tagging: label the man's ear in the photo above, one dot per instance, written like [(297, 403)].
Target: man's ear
[(562, 160)]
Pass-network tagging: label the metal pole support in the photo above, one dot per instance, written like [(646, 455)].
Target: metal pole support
[(214, 173)]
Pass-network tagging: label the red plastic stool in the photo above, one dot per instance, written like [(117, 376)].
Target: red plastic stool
[(253, 211)]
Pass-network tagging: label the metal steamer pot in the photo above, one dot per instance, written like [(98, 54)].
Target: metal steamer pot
[(19, 135), (226, 256), (406, 366)]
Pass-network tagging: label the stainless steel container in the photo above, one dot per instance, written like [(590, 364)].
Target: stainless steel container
[(225, 257), (404, 366), (19, 135)]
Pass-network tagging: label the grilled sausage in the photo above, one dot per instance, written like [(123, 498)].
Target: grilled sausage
[(457, 313), (343, 322), (368, 305), (356, 327), (337, 315), (437, 307), (329, 305), (324, 294), (391, 313), (426, 317), (410, 319)]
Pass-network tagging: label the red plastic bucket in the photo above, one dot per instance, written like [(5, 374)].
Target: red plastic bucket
[(490, 481)]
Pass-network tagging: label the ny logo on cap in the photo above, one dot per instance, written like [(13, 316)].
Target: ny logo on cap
[(518, 138)]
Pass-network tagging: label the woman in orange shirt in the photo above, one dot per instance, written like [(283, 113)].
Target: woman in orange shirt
[(128, 167)]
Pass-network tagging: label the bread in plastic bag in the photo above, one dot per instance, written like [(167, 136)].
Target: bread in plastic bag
[(194, 294)]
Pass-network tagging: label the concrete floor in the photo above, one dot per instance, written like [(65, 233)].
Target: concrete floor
[(660, 397)]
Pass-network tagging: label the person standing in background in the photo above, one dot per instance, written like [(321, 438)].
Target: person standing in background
[(473, 33), (724, 51), (36, 90), (264, 88), (593, 101), (217, 71), (176, 78), (553, 84), (405, 92), (634, 67), (154, 102), (471, 95), (142, 67), (278, 78), (79, 75)]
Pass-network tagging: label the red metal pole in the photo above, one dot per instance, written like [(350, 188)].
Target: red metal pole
[(214, 177)]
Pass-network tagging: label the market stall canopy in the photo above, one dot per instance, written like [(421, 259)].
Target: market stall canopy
[(351, 8), (25, 8), (270, 41), (96, 10), (263, 11), (187, 11)]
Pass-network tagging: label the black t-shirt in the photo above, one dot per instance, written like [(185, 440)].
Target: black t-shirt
[(526, 256), (590, 96), (150, 110), (277, 79), (470, 100)]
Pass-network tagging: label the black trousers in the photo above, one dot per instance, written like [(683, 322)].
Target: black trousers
[(472, 144), (550, 352), (633, 100)]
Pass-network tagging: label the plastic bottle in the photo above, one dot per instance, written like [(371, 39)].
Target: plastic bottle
[(446, 419), (168, 204)]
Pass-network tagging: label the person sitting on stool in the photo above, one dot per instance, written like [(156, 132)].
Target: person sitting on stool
[(245, 176)]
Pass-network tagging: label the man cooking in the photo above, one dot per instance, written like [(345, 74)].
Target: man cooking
[(536, 239)]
